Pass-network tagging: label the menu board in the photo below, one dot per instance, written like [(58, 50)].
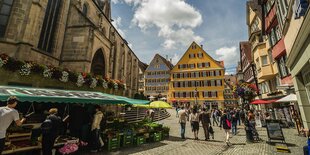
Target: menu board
[(274, 130)]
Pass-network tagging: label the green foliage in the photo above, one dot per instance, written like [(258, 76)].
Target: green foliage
[(13, 65), (57, 73), (72, 76), (36, 68)]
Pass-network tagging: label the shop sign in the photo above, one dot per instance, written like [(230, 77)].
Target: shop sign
[(274, 130)]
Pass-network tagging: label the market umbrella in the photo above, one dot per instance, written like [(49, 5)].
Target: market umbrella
[(160, 104), (163, 98), (288, 98)]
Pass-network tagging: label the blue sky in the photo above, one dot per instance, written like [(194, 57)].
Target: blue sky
[(168, 27)]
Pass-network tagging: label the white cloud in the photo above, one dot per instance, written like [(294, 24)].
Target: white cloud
[(175, 59), (229, 55), (174, 19), (117, 23)]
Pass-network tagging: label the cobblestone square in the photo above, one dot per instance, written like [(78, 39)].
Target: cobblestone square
[(177, 146)]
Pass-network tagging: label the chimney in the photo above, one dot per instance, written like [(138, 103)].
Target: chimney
[(201, 46)]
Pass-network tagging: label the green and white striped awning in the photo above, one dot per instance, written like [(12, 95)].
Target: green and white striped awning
[(25, 94)]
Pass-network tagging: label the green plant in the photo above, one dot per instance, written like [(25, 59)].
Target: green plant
[(72, 76), (57, 73), (36, 68), (13, 65)]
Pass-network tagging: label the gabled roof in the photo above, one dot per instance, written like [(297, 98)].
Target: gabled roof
[(219, 63), (230, 80), (168, 63), (245, 47), (256, 7), (143, 65)]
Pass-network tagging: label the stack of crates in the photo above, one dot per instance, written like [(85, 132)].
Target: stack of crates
[(139, 140), (127, 140), (114, 143), (157, 136)]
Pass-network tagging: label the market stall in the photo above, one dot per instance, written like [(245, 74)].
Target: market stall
[(34, 102), (292, 112)]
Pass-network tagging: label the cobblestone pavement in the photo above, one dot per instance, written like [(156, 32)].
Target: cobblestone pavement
[(176, 146)]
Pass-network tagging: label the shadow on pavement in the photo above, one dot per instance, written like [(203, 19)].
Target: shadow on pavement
[(175, 139), (274, 144), (128, 150)]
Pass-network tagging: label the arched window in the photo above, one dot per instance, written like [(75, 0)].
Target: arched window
[(98, 63), (84, 9), (5, 10), (49, 25)]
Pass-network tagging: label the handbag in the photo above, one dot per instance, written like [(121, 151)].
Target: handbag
[(228, 123)]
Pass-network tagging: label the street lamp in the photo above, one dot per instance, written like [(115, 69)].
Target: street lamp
[(195, 96)]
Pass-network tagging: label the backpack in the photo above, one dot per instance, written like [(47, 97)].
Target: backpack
[(47, 126)]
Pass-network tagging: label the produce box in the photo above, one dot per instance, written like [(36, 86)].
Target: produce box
[(127, 140), (165, 135), (140, 140), (157, 137), (114, 143)]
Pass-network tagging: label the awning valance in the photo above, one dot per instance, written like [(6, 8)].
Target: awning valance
[(64, 96)]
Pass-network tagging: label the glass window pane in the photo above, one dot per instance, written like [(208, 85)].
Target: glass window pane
[(2, 31), (3, 20), (8, 1), (5, 9)]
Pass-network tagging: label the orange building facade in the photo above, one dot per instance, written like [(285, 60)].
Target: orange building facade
[(197, 79)]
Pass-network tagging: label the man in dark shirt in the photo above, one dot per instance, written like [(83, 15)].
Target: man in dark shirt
[(205, 120), (49, 137), (234, 122)]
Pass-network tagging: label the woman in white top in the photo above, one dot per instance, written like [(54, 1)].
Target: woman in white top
[(194, 119)]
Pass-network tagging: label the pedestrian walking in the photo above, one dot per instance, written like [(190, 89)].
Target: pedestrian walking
[(205, 121), (234, 121), (182, 120), (219, 116), (8, 114), (226, 123), (214, 117), (95, 128), (51, 128), (238, 116), (242, 115), (177, 110), (194, 119)]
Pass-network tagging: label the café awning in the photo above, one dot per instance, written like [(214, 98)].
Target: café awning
[(25, 94), (288, 98)]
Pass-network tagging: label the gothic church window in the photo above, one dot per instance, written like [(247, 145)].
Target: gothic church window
[(49, 25), (84, 10), (5, 10)]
